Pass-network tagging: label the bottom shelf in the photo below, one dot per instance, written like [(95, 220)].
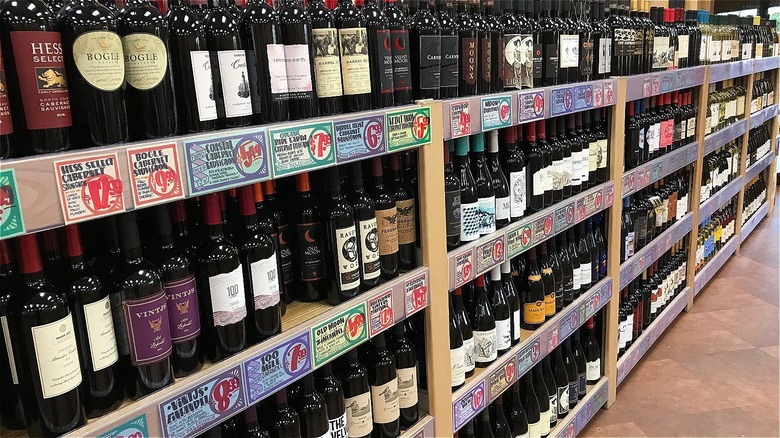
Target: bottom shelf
[(708, 272), (422, 429), (751, 223), (585, 410), (651, 334)]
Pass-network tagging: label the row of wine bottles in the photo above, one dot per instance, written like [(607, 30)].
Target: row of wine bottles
[(714, 232), (643, 300), (658, 125), (763, 92), (719, 168), (527, 168), (725, 104), (652, 210), (370, 391), (759, 143), (488, 314), (545, 395), (755, 197)]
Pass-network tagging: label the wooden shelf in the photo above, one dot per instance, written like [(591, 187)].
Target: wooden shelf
[(708, 272), (761, 116), (642, 176), (725, 135), (585, 410), (720, 198), (752, 223), (653, 84)]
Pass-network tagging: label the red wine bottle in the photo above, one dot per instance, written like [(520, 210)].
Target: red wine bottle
[(53, 262), (357, 396), (298, 55), (561, 383), (330, 388), (500, 184), (313, 410), (327, 64), (543, 399), (425, 39), (365, 218), (387, 223), (221, 288), (45, 349), (450, 49), (252, 426), (571, 372), (534, 307), (383, 378), (552, 254), (381, 55), (406, 364), (457, 352), (91, 309), (284, 239), (548, 278), (267, 222), (355, 69), (501, 312), (463, 322), (469, 199), (482, 425), (579, 361), (405, 204), (531, 406), (467, 34), (261, 37), (28, 26), (515, 413), (536, 170), (95, 73), (260, 267), (501, 427), (399, 47), (11, 407), (343, 242), (552, 389), (513, 300), (311, 243), (567, 271), (287, 421), (483, 326), (451, 198), (149, 81), (592, 353), (144, 307)]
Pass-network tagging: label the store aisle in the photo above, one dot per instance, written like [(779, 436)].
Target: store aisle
[(715, 371)]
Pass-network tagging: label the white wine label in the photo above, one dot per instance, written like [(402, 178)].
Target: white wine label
[(485, 346), (227, 297), (517, 199), (503, 334), (487, 214), (538, 185), (470, 224), (569, 52), (57, 357), (384, 402), (502, 208), (204, 85), (468, 355), (544, 421), (337, 427), (585, 274), (360, 419), (100, 333), (146, 60), (348, 266), (369, 244), (457, 372), (265, 282), (235, 83), (407, 387), (593, 370), (327, 67), (9, 350), (354, 60), (98, 58)]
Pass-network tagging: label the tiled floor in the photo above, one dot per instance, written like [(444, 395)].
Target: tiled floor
[(715, 371)]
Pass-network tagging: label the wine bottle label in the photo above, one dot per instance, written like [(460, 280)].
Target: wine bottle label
[(517, 61), (538, 182), (297, 64), (347, 264), (534, 313), (384, 402), (576, 281), (573, 395), (487, 214), (98, 58), (585, 163), (120, 326), (450, 58), (369, 245), (553, 408), (100, 334), (57, 357), (452, 212), (407, 221), (703, 50), (359, 415), (681, 130), (468, 355), (470, 222), (468, 52), (557, 175), (549, 304), (629, 244), (624, 42), (601, 155), (503, 208), (40, 70), (327, 64), (523, 435), (660, 52), (485, 346), (485, 59), (551, 62), (228, 302), (569, 51), (582, 383), (402, 77), (544, 420), (183, 312), (383, 59), (714, 48), (354, 60), (503, 334), (146, 60), (337, 427), (566, 171), (593, 370), (430, 62), (535, 429), (517, 198), (538, 63), (310, 251), (516, 315), (585, 274), (653, 138), (204, 88), (682, 44), (387, 226), (407, 387), (593, 156), (457, 372), (148, 328), (8, 349), (605, 49), (265, 282), (759, 50), (563, 400), (667, 133), (235, 85), (277, 69)]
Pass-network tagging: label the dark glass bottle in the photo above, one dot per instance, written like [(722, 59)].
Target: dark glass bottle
[(287, 421), (381, 55), (355, 65), (533, 300), (549, 280), (11, 406), (571, 372), (457, 353), (552, 389), (311, 243), (514, 411), (468, 51), (285, 238), (253, 427), (513, 299), (463, 322), (547, 159), (580, 362), (425, 41), (313, 410), (537, 171), (298, 55), (470, 225), (486, 198), (544, 397), (387, 223), (483, 427), (406, 367), (531, 405), (483, 326), (383, 378), (515, 173), (452, 199), (330, 388), (367, 233), (501, 428), (343, 243), (406, 209), (561, 383), (357, 396), (592, 353), (450, 49), (500, 184), (402, 71), (502, 313), (550, 38), (327, 59), (566, 270)]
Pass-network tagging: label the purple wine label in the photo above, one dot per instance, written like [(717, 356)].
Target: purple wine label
[(183, 312), (148, 329)]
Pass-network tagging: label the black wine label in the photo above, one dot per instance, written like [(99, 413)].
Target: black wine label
[(449, 61), (430, 62), (586, 57), (452, 211), (310, 251), (384, 60), (285, 254), (538, 61), (468, 50), (402, 78), (551, 61), (485, 55), (623, 42), (254, 89)]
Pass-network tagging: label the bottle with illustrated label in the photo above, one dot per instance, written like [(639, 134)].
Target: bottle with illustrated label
[(514, 412), (463, 322), (32, 129), (514, 166), (343, 242), (326, 60), (259, 263), (406, 367), (500, 184), (457, 353), (357, 396), (312, 410), (425, 43), (533, 298), (552, 389), (592, 353), (399, 47), (561, 382), (267, 221), (44, 348), (537, 170), (367, 231), (261, 36), (311, 243), (483, 325), (406, 209), (145, 338), (380, 55), (452, 198), (95, 72), (286, 421), (330, 388), (386, 222), (543, 397), (450, 49), (298, 57), (221, 288), (353, 40), (228, 66), (486, 197), (11, 406), (469, 200), (149, 91), (383, 378), (502, 313), (177, 272), (91, 309)]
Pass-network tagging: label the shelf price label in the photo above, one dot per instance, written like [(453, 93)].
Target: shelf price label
[(408, 128), (489, 254), (518, 240), (503, 377), (135, 428), (496, 112), (583, 97), (154, 174), (564, 217), (460, 119), (359, 138), (339, 334), (302, 147), (89, 187), (468, 405), (416, 293), (192, 412), (530, 106), (464, 268), (529, 355), (220, 162), (542, 228), (11, 220), (277, 368), (562, 101), (381, 313)]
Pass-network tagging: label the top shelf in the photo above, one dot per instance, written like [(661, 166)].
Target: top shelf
[(653, 84), (721, 72)]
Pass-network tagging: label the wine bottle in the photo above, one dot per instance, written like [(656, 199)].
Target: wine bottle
[(326, 60), (11, 408), (386, 222), (383, 378), (457, 353), (515, 413), (567, 271), (381, 55), (38, 316), (537, 170), (552, 254), (531, 406), (486, 199), (342, 241), (94, 62), (267, 222), (284, 239), (252, 426), (311, 245), (552, 389), (483, 326), (261, 35), (406, 208), (406, 367), (41, 117), (221, 285), (586, 259), (313, 410), (330, 388), (450, 51), (561, 383), (543, 396), (501, 427), (463, 321), (482, 425), (53, 262), (548, 278), (297, 36), (515, 169), (592, 353), (468, 52), (579, 360), (355, 64), (399, 47), (365, 217), (469, 199), (500, 184), (287, 421), (501, 312), (425, 39), (357, 396), (534, 306), (451, 199), (513, 299)]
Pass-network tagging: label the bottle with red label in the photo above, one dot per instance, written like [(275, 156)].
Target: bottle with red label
[(380, 54), (34, 80)]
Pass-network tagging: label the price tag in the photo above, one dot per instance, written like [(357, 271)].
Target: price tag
[(224, 161), (518, 240), (496, 112), (464, 268), (11, 220), (609, 93), (469, 405), (380, 310), (490, 254), (408, 128), (339, 334), (416, 292), (530, 106), (502, 378), (562, 101), (302, 148), (154, 174), (583, 97), (135, 428), (542, 228), (564, 217), (460, 119), (277, 367), (529, 355), (89, 187), (359, 138)]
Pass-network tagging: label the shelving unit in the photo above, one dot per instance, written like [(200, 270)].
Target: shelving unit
[(33, 202)]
